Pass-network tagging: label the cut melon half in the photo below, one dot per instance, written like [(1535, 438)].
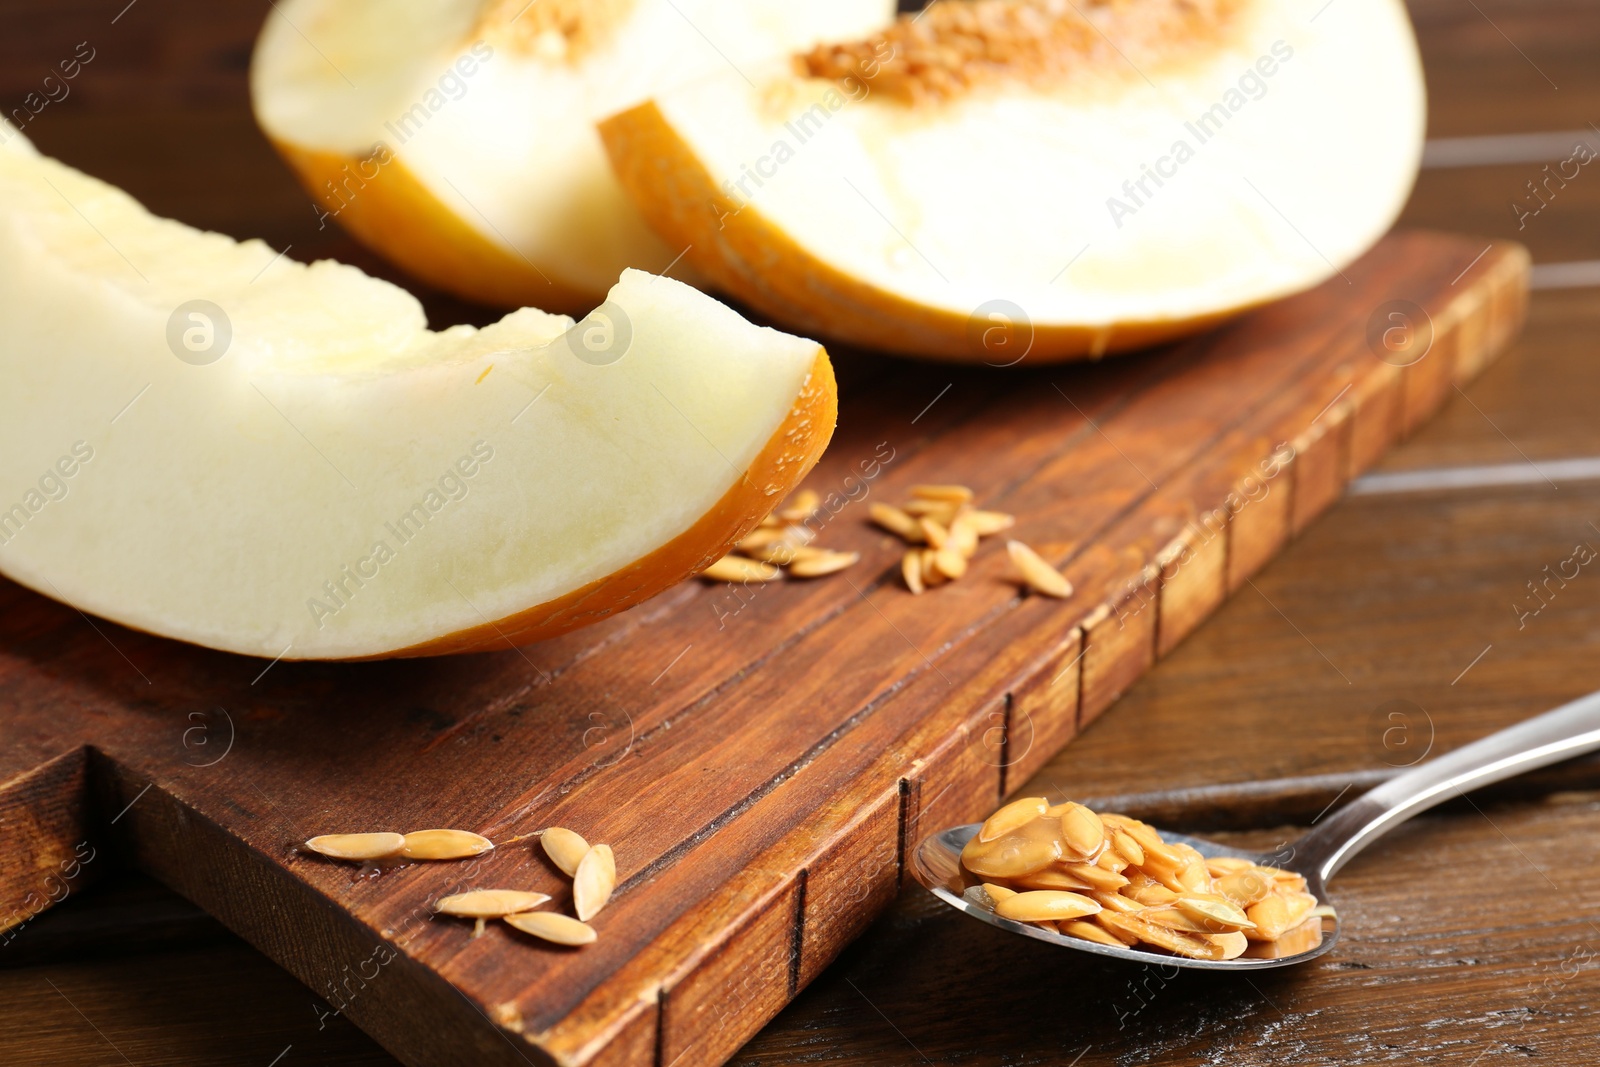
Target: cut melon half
[(456, 137), (202, 439), (1000, 180)]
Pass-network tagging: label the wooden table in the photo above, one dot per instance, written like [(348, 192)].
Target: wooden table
[(1392, 625)]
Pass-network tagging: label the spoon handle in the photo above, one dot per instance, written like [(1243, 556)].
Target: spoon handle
[(1570, 730)]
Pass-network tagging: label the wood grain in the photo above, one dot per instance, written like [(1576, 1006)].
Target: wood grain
[(818, 717), (1389, 599), (154, 1006), (168, 120), (1435, 977), (1508, 66)]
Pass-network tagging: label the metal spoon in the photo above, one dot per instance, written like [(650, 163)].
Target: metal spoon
[(1570, 730)]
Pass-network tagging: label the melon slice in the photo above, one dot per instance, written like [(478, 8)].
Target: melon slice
[(456, 137), (202, 439), (996, 180)]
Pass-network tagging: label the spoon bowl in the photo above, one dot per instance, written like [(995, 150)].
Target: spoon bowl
[(937, 865), (1570, 730)]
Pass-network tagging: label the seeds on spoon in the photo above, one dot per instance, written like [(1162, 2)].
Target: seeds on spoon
[(1192, 876), (1081, 829), (1053, 878), (1014, 855), (1172, 918), (1245, 887), (1107, 921), (1088, 931), (997, 893), (1233, 945), (489, 903), (362, 847), (1175, 941), (1046, 905), (1223, 918), (1156, 850), (444, 845), (1116, 902), (1271, 918), (1127, 847), (1095, 876), (1038, 862), (1151, 896), (1013, 816), (986, 895), (1300, 905), (594, 882), (553, 927), (1302, 938)]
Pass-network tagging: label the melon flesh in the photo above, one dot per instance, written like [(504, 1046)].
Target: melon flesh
[(343, 482), (1116, 207), (489, 118)]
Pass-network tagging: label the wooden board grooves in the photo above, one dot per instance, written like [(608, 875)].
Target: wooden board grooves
[(750, 800), (1117, 400), (762, 773), (1008, 744), (1340, 464), (797, 931)]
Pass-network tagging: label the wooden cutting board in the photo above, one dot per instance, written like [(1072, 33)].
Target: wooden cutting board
[(761, 759)]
